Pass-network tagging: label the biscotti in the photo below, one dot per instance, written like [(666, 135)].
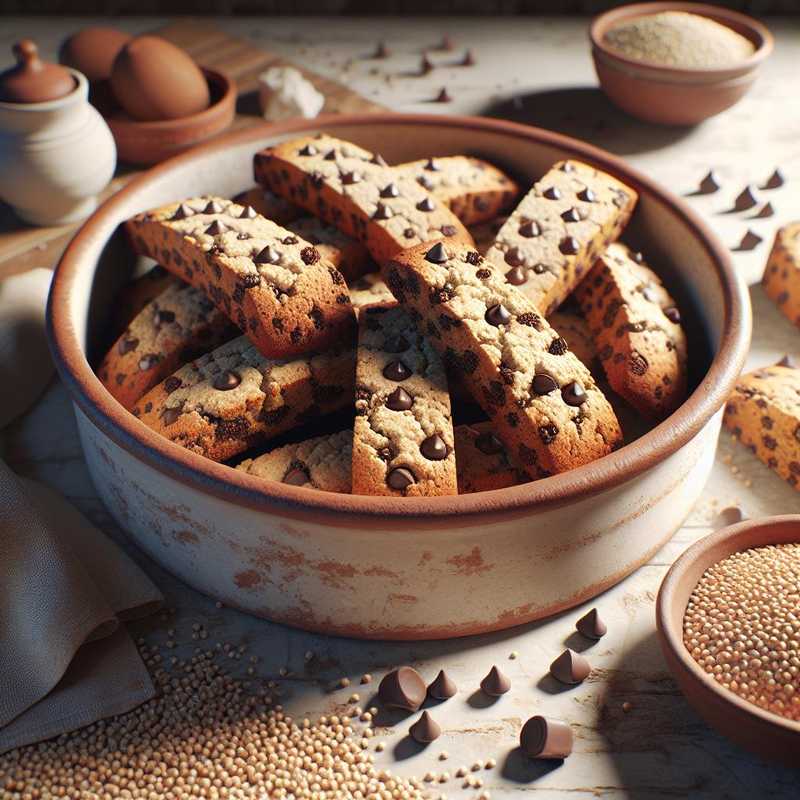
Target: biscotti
[(178, 325), (543, 401), (482, 461), (782, 275), (232, 398), (474, 190), (275, 286), (403, 431), (320, 463), (577, 334), (356, 191), (559, 228), (637, 331), (347, 255), (763, 412), (269, 205), (369, 290), (136, 294)]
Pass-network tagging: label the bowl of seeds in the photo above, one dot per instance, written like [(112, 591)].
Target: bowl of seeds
[(728, 616), (677, 63)]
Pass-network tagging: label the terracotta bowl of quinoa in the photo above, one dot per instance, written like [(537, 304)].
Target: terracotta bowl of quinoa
[(671, 94), (758, 729)]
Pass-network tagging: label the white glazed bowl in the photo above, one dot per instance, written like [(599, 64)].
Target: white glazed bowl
[(411, 568)]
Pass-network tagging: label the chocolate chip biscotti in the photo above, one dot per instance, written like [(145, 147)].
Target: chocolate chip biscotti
[(482, 462), (356, 191), (543, 401), (136, 294), (474, 190), (558, 230), (232, 398), (764, 414), (403, 430), (782, 275), (274, 285), (369, 290), (637, 331), (347, 255), (178, 325), (269, 205)]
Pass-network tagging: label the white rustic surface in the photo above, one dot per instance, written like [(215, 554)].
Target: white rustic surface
[(535, 70)]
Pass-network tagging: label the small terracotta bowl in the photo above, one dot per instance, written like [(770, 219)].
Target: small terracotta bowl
[(146, 143), (762, 732), (668, 95)]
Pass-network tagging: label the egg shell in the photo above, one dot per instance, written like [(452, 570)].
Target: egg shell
[(153, 79), (92, 51)]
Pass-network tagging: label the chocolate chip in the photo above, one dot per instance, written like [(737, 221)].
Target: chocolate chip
[(382, 212), (213, 207), (308, 150), (569, 245), (396, 371), (425, 182), (331, 154), (381, 51), (164, 316), (291, 240), (296, 476), (552, 193), (571, 215), (673, 315), (495, 683), (442, 687), (530, 229), (170, 415), (390, 190), (468, 60), (400, 478), (425, 65), (148, 361), (570, 668), (489, 444), (543, 383), (749, 241), (745, 199), (434, 448), (349, 178), (548, 433), (517, 276), (544, 737), (709, 184), (568, 166), (443, 96), (531, 319), (399, 400), (591, 626), (587, 195), (426, 204), (171, 384), (425, 729), (787, 361), (409, 233), (402, 688), (775, 181), (310, 255), (126, 345), (215, 228), (269, 255), (437, 254), (558, 346), (765, 211), (514, 257), (497, 314), (226, 380), (248, 212), (432, 166), (183, 211), (574, 394), (243, 235)]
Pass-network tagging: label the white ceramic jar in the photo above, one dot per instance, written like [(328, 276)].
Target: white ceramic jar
[(56, 157)]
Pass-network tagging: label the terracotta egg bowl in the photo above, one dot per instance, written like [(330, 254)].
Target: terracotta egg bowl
[(401, 568), (668, 95), (146, 143), (762, 732)]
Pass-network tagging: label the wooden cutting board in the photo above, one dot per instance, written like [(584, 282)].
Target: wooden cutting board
[(23, 247)]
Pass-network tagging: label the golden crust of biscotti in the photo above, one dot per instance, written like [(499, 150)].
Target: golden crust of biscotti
[(781, 279), (136, 294), (274, 285), (763, 413), (474, 190), (357, 192), (494, 335), (350, 257), (180, 324), (269, 205), (403, 430), (234, 397), (637, 331), (320, 463), (482, 463), (559, 228)]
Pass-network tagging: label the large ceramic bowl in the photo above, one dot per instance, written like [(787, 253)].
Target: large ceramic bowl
[(384, 567)]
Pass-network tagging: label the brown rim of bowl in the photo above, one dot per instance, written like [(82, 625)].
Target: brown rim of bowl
[(762, 38), (162, 126), (339, 509), (740, 536)]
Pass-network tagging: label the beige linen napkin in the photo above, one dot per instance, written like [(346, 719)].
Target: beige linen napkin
[(65, 660)]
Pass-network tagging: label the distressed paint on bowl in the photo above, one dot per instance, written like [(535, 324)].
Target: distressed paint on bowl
[(386, 567)]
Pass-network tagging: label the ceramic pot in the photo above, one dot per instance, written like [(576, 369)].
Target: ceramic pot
[(387, 567), (56, 157)]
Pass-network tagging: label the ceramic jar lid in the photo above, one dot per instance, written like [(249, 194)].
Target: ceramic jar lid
[(33, 80)]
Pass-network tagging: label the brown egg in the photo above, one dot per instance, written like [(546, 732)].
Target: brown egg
[(92, 51), (153, 79)]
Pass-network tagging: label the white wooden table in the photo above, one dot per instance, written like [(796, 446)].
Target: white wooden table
[(535, 70)]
